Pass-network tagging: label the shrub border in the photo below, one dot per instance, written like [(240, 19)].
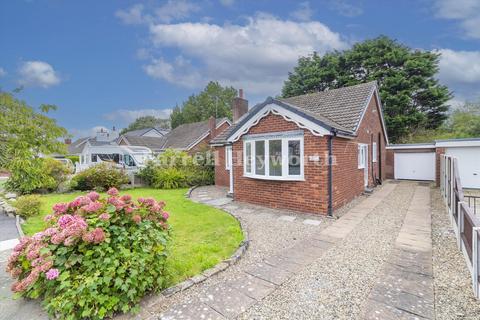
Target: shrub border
[(221, 266)]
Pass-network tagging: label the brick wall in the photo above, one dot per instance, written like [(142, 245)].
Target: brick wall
[(348, 179), (389, 166), (307, 196), (222, 176), (438, 155)]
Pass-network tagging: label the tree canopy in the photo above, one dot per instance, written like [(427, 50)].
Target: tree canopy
[(214, 100), (146, 122), (25, 135), (412, 97)]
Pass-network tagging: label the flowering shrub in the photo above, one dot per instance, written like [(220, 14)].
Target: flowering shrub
[(101, 176), (97, 256), (28, 205)]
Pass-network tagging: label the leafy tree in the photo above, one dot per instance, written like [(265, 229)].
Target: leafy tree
[(26, 134), (214, 100), (412, 98), (463, 122), (146, 122)]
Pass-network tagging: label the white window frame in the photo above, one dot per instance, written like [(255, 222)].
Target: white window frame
[(285, 175), (228, 159), (362, 155), (374, 152)]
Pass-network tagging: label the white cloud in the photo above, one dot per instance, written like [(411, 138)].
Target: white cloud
[(467, 12), (344, 8), (38, 74), (227, 3), (460, 70), (2, 72), (256, 56), (303, 13), (172, 10), (134, 15), (129, 115)]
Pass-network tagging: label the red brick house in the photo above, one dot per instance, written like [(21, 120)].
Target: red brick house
[(277, 154)]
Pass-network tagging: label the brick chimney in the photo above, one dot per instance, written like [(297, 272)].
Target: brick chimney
[(68, 141), (212, 125), (239, 106)]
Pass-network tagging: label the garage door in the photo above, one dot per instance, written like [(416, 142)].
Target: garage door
[(415, 166), (468, 165)]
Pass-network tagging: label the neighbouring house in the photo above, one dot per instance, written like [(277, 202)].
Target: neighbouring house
[(101, 138), (421, 161), (312, 153), (155, 132)]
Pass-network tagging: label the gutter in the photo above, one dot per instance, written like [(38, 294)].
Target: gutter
[(330, 172)]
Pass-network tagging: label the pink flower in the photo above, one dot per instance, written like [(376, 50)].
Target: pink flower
[(156, 208), (141, 200), (112, 191), (49, 217), (165, 215), (58, 238), (60, 208), (150, 202), (137, 218), (94, 196), (95, 236), (52, 274), (104, 216), (126, 198), (128, 209), (65, 220), (70, 241), (50, 232), (92, 207)]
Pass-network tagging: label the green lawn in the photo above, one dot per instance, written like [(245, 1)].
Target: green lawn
[(202, 235)]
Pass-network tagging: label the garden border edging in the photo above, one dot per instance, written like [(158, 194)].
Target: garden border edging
[(223, 265)]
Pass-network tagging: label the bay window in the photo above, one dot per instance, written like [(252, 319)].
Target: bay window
[(274, 156)]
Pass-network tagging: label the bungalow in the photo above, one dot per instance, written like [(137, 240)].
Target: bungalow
[(312, 153)]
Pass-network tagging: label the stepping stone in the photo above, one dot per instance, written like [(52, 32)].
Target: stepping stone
[(231, 207), (219, 202), (246, 210), (287, 218), (191, 311), (284, 263), (312, 222), (269, 273), (228, 301), (253, 287)]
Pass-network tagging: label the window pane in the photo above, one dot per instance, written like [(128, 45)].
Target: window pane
[(294, 157), (248, 157), (260, 157), (275, 157)]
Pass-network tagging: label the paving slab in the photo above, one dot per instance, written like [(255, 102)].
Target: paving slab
[(252, 286), (268, 273), (227, 301), (285, 263), (312, 222), (193, 310), (219, 202)]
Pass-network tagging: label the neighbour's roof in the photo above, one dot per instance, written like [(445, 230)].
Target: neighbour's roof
[(77, 146), (141, 132), (183, 136), (154, 143), (339, 108)]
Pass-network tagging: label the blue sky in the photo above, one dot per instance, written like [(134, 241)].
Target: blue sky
[(106, 62)]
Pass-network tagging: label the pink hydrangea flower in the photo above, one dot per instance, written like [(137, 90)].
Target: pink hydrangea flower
[(141, 200), (128, 209), (112, 191), (95, 236), (92, 207), (65, 220), (150, 202), (104, 216), (165, 215), (50, 231), (126, 198), (60, 208), (52, 274), (137, 218), (94, 196)]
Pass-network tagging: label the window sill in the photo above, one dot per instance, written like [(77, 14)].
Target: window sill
[(299, 178)]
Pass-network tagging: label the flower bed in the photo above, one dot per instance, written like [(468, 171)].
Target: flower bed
[(97, 256)]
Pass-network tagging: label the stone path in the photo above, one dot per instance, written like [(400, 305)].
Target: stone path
[(405, 290), (231, 298)]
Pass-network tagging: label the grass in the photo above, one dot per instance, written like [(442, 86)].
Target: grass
[(202, 235)]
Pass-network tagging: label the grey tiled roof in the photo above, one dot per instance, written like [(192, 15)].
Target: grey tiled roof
[(184, 135), (141, 132), (340, 108), (154, 143), (76, 146)]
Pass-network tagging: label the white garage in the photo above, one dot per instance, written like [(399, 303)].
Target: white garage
[(467, 151), (414, 165)]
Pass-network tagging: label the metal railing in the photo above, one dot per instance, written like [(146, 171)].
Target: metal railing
[(473, 202), (465, 224)]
